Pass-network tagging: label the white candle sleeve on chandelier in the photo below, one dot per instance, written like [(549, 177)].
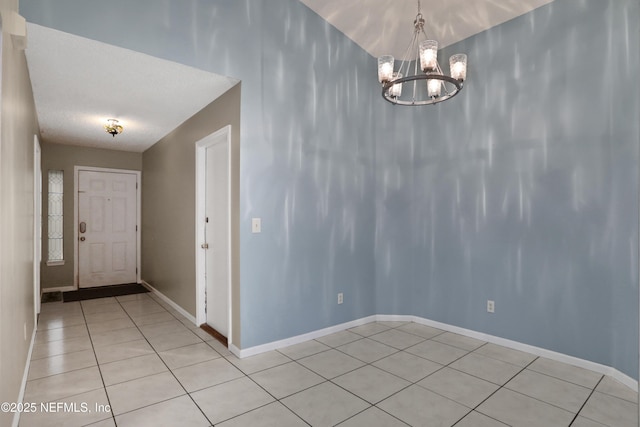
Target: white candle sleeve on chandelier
[(458, 66), (429, 55), (434, 87), (396, 89), (385, 68)]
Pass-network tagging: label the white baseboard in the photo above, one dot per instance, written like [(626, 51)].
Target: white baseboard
[(169, 301), (25, 375), (560, 357), (252, 351), (515, 345), (58, 289)]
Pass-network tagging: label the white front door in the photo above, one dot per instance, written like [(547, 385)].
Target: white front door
[(217, 238), (107, 237)]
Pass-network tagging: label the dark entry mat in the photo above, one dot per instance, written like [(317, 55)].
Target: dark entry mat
[(51, 297), (103, 292)]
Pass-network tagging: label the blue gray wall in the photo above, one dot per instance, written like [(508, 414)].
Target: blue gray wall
[(307, 144), (523, 189)]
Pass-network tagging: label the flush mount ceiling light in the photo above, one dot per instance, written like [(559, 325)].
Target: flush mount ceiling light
[(420, 72), (113, 127)]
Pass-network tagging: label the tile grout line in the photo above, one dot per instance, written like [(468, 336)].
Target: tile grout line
[(575, 417), (442, 367), (187, 392), (371, 405), (325, 380), (269, 393), (145, 376), (559, 379), (412, 383), (164, 363), (474, 409), (221, 356), (389, 355), (104, 387)]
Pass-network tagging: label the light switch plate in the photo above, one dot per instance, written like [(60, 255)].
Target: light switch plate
[(256, 225)]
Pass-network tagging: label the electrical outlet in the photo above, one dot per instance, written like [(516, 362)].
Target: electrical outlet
[(340, 298), (491, 306)]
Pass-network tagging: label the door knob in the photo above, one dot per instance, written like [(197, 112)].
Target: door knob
[(205, 246), (83, 227)]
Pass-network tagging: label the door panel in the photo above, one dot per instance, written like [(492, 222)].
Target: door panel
[(217, 236), (107, 252)]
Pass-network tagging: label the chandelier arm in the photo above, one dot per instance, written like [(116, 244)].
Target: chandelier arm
[(406, 55), (415, 73), (439, 71)]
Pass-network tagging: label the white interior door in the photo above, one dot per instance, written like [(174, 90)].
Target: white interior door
[(107, 237), (217, 237)]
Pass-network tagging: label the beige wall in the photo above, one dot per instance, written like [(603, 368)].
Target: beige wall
[(18, 124), (168, 204), (65, 158)]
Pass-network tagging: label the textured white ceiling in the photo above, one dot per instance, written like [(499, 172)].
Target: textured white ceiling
[(79, 83), (384, 27)]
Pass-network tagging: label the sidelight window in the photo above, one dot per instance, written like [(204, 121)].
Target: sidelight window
[(55, 218)]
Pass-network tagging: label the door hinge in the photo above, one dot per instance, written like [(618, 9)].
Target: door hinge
[(206, 219), (136, 270), (136, 185), (205, 301), (136, 228)]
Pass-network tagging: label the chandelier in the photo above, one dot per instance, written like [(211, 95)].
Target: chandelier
[(419, 72), (113, 127)]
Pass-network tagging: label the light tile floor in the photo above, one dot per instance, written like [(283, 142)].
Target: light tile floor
[(152, 367)]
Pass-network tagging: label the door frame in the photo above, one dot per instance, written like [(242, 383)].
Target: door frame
[(222, 135), (37, 224), (138, 174)]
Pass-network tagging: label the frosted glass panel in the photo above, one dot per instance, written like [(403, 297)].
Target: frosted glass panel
[(55, 217), (56, 181), (55, 250), (55, 227), (55, 204)]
